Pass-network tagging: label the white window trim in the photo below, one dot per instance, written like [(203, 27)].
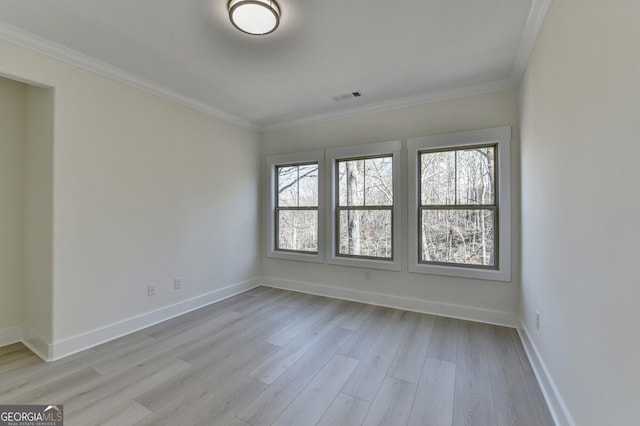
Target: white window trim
[(502, 137), (394, 148), (270, 205)]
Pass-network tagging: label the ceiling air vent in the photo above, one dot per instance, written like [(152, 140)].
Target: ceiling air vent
[(346, 96)]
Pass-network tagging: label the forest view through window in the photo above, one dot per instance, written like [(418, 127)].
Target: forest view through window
[(364, 207), (457, 212), (296, 213)]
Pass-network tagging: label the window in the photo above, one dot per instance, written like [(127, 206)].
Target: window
[(295, 217), (364, 211), (457, 209), (297, 208), (459, 197), (365, 204)]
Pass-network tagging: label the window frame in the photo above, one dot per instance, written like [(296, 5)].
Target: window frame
[(271, 204), (366, 151), (500, 137)]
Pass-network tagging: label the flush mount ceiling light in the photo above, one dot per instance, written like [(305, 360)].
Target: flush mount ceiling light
[(256, 17)]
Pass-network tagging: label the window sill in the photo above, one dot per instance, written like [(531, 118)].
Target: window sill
[(365, 263), (301, 257), (503, 274)]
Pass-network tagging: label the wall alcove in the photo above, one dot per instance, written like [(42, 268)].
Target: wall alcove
[(26, 214)]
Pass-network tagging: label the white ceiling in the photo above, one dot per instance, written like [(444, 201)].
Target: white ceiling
[(392, 51)]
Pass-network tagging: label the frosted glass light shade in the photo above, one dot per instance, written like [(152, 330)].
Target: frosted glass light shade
[(256, 17)]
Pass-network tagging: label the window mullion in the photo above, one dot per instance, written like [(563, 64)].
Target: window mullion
[(455, 177), (364, 182)]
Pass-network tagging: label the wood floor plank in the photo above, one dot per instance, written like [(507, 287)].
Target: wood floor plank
[(262, 302), (357, 315), (231, 398), (285, 336), (508, 381), (392, 404), (17, 361), (16, 357), (293, 299), (362, 340), (268, 406), (193, 318), (178, 340), (12, 356), (210, 403), (473, 403), (27, 378), (227, 304), (15, 351), (310, 405), (225, 337), (433, 405), (522, 355), (259, 291), (280, 361), (345, 410), (408, 362), (139, 338), (370, 374), (538, 401), (237, 422), (118, 389), (106, 355), (232, 340), (444, 339), (125, 415), (190, 382), (14, 347), (58, 391)]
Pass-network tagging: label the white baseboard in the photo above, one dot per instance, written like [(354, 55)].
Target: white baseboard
[(10, 335), (36, 343), (557, 407), (28, 337), (508, 319), (69, 346)]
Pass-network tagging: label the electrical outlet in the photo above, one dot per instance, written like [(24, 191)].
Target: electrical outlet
[(537, 320), (367, 275), (151, 290), (177, 283)]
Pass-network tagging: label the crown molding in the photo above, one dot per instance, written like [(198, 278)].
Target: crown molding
[(80, 60), (535, 20), (397, 103)]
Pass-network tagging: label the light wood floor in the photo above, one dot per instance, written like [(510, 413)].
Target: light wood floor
[(278, 357)]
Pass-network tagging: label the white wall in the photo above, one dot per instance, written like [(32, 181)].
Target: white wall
[(580, 110), (477, 112), (38, 217), (12, 135), (143, 190)]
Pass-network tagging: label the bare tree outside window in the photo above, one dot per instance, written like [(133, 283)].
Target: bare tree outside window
[(364, 208), (458, 207), (296, 217)]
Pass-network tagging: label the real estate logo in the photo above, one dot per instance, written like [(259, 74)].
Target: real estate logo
[(31, 415)]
